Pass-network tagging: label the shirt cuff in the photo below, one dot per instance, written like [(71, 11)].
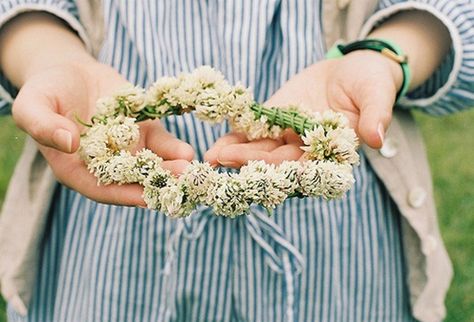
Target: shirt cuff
[(444, 79), (60, 9)]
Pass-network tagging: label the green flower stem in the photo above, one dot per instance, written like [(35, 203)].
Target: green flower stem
[(284, 118)]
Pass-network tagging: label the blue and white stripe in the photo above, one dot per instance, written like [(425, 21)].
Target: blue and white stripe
[(314, 260)]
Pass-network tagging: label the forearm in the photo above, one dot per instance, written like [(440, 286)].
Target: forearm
[(423, 38), (34, 42)]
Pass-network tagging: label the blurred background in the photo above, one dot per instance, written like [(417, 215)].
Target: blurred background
[(450, 142)]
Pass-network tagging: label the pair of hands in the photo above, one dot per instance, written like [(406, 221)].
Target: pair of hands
[(362, 85)]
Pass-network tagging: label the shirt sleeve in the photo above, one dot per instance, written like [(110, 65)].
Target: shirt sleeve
[(9, 9), (451, 87)]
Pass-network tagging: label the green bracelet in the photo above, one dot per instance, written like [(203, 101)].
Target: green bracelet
[(386, 48)]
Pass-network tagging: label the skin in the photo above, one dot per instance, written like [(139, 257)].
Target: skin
[(59, 79)]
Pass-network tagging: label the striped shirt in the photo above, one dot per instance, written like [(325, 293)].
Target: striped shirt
[(314, 260)]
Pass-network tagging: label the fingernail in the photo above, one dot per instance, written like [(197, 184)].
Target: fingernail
[(63, 138), (229, 164), (381, 132)]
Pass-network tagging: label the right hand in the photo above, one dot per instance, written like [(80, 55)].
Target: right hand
[(45, 109)]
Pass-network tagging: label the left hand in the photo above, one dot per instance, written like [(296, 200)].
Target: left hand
[(362, 85)]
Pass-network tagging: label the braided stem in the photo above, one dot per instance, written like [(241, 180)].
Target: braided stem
[(284, 118)]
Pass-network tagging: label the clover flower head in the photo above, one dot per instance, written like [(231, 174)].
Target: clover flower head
[(123, 133), (174, 201), (228, 199), (158, 95), (106, 106), (130, 99), (261, 182), (344, 144), (200, 179), (99, 166), (315, 144), (254, 128), (156, 180), (94, 142), (289, 172), (339, 144), (145, 162), (336, 178), (330, 119), (310, 179), (121, 168), (325, 178), (206, 76)]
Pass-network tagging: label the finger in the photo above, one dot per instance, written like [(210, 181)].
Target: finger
[(228, 139), (166, 145), (375, 103), (38, 116), (232, 157), (71, 171), (235, 158), (285, 153), (227, 154), (176, 167), (291, 137)]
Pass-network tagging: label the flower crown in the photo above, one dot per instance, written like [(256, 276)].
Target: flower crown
[(329, 145)]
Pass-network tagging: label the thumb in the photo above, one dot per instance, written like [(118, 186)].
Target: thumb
[(38, 116), (375, 104)]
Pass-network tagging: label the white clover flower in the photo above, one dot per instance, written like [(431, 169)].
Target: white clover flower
[(310, 179), (158, 94), (174, 201), (325, 178), (157, 179), (330, 119), (337, 179), (316, 144), (99, 167), (94, 142), (239, 100), (254, 128), (228, 197), (261, 183), (200, 179), (123, 133), (211, 105), (185, 95), (121, 168), (337, 144), (206, 76), (343, 143), (289, 170), (145, 162), (106, 106), (130, 98)]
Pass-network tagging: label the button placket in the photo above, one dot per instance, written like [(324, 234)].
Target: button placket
[(429, 245), (416, 197)]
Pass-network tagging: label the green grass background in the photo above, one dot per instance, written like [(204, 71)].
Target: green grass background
[(450, 142)]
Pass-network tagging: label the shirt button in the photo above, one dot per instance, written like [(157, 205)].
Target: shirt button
[(416, 197), (429, 245), (389, 148)]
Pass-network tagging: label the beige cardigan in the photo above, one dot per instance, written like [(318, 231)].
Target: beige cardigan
[(401, 165)]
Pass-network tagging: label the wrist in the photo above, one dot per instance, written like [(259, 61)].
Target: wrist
[(34, 42), (393, 68)]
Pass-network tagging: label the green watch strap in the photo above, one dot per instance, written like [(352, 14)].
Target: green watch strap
[(386, 48)]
